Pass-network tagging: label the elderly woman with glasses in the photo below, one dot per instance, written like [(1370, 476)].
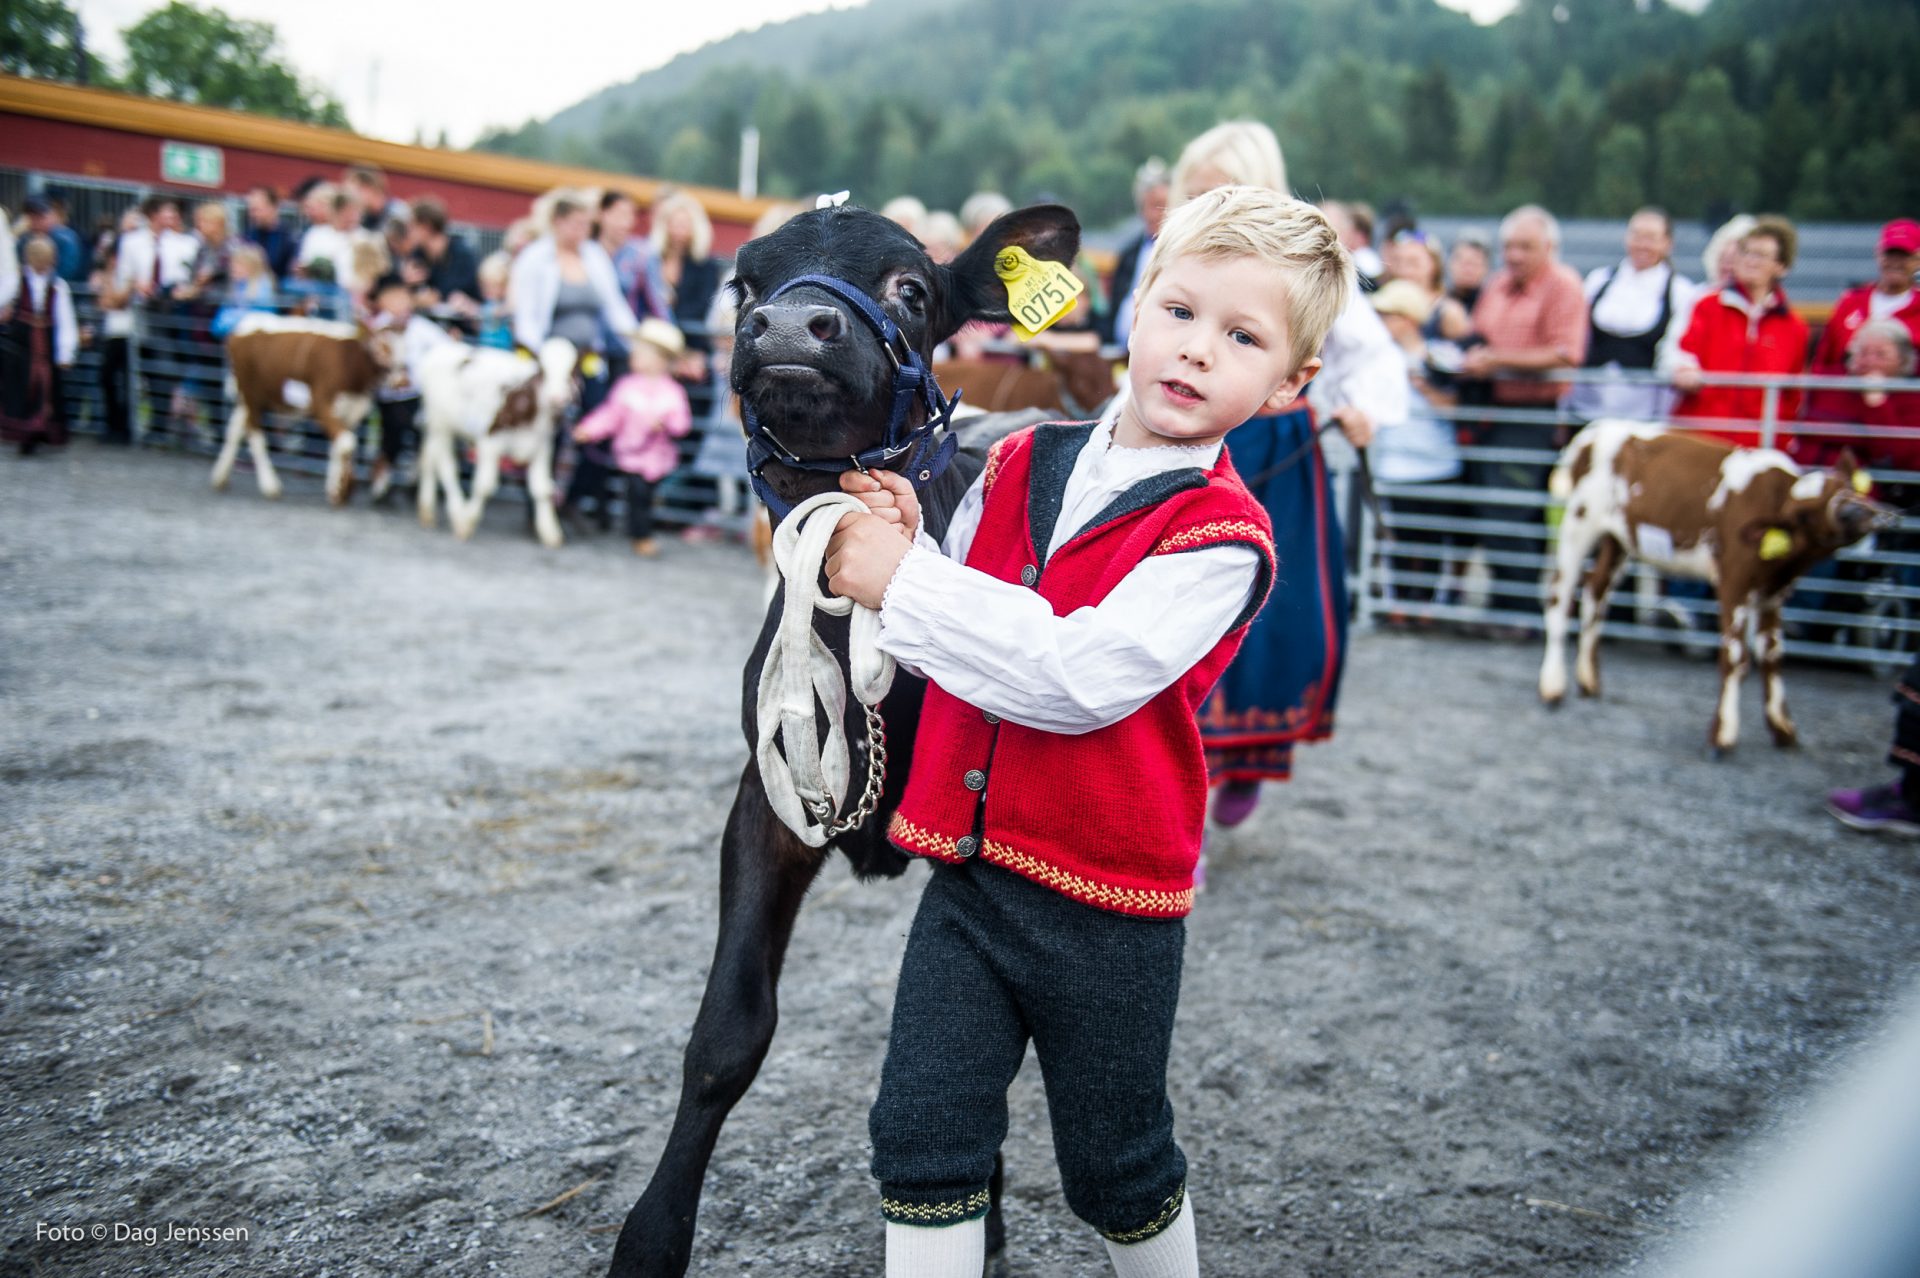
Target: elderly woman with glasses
[(1749, 327)]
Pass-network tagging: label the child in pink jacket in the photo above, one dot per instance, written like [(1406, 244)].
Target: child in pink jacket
[(643, 414)]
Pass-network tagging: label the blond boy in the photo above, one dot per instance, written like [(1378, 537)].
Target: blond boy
[(1093, 584)]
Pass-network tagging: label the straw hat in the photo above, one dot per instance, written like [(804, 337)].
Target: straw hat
[(662, 335), (1403, 297)]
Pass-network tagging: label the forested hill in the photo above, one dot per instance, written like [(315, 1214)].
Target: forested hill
[(1587, 106)]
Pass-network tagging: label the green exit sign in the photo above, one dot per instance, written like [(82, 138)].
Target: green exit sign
[(191, 165)]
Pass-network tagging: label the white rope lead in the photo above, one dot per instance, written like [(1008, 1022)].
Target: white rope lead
[(806, 782)]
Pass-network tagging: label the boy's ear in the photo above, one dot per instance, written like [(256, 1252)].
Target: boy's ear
[(1291, 389), (973, 291)]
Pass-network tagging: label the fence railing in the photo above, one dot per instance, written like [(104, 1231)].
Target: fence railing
[(1475, 550), (165, 385)]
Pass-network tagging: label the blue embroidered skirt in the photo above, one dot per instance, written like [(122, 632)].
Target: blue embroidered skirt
[(1282, 687)]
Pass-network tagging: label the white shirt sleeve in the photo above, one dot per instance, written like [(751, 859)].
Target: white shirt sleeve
[(999, 647), (963, 523), (66, 328), (1362, 366), (1668, 356)]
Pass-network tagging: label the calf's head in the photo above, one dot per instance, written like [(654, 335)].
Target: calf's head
[(1823, 512), (558, 361), (384, 347), (808, 363)]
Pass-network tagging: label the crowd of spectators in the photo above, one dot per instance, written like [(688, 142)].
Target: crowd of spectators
[(1478, 320)]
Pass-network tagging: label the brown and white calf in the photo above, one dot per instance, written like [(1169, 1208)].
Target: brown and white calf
[(504, 405), (1748, 520), (329, 369), (1077, 384)]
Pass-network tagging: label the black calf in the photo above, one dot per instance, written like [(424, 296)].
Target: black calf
[(817, 376)]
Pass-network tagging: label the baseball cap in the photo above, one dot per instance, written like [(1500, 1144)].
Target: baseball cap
[(1902, 235), (35, 204)]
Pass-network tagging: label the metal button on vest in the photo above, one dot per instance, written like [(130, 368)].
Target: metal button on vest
[(966, 845), (1029, 575), (975, 779), (991, 717)]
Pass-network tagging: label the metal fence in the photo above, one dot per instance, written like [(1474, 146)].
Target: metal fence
[(1475, 552), (1471, 553), (167, 386)]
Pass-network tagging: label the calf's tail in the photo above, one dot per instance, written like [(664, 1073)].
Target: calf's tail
[(1560, 482)]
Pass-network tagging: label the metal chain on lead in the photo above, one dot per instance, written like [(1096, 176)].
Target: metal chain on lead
[(876, 777)]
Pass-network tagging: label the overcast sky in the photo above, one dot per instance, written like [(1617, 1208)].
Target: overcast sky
[(462, 67)]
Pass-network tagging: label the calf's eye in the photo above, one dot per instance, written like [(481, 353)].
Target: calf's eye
[(912, 294)]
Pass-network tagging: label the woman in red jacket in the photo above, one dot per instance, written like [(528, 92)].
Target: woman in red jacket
[(1747, 327)]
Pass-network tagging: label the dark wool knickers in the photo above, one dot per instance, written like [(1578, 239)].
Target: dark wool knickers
[(994, 960)]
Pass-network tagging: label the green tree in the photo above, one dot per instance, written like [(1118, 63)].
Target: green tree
[(1619, 171), (1789, 129), (1573, 126), (207, 57), (1863, 178), (797, 141), (1432, 120), (1813, 199), (633, 142), (689, 157), (1708, 149), (43, 38)]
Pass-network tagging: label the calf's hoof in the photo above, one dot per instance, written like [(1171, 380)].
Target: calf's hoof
[(1786, 739), (1715, 753), (271, 491)]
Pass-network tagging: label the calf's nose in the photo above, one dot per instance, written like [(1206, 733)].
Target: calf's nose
[(821, 324)]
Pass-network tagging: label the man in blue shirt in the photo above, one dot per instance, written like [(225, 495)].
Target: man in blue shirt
[(48, 217), (264, 228)]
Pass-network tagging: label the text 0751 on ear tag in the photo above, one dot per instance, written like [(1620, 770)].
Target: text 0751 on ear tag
[(1038, 292)]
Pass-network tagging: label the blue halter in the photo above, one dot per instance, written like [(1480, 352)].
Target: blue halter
[(912, 382)]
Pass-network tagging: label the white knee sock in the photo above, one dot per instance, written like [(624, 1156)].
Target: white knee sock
[(946, 1251), (1171, 1253)]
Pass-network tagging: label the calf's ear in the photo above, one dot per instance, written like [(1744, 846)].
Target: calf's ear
[(974, 291)]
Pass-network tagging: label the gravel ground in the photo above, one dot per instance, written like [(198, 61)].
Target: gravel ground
[(357, 887)]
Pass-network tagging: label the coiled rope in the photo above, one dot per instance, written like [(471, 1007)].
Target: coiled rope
[(805, 780)]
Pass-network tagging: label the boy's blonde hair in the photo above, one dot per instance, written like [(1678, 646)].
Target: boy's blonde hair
[(253, 255), (1287, 234), (496, 267)]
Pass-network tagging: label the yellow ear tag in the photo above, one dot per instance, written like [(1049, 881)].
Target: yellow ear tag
[(592, 365), (524, 355), (1038, 292), (1862, 482), (1776, 544)]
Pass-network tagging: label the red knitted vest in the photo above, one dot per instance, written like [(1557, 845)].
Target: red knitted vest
[(1111, 817)]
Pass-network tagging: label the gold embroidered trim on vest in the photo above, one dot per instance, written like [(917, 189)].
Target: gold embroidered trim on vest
[(994, 456), (937, 1213), (1128, 900), (1168, 1214), (1220, 530)]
